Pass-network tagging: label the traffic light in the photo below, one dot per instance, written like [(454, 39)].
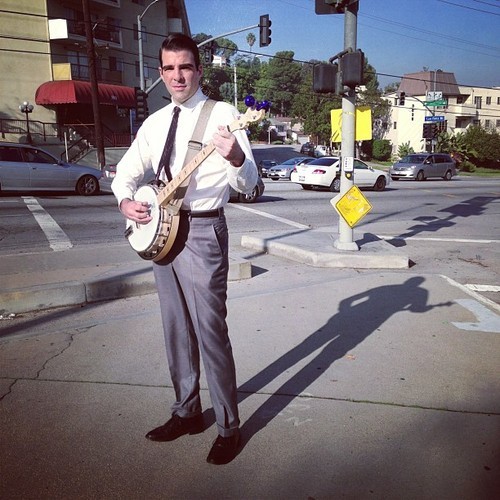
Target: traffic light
[(351, 67), (141, 105), (427, 131), (208, 55), (402, 96), (332, 6), (325, 78), (265, 30)]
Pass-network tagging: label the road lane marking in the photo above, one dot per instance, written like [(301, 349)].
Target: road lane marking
[(274, 217), (472, 293), (449, 240), (487, 321), (56, 237), (483, 288)]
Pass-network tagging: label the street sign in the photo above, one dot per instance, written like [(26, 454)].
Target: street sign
[(352, 206), (433, 95), (439, 118), (438, 102)]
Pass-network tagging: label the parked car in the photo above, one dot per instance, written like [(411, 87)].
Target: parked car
[(421, 166), (258, 190), (284, 170), (307, 149), (264, 166), (29, 168), (325, 172)]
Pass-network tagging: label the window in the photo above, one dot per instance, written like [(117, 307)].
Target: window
[(395, 125), (487, 123), (478, 100), (488, 100), (10, 154), (460, 99), (115, 64), (498, 124), (35, 156)]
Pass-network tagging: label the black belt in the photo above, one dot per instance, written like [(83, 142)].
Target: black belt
[(218, 212)]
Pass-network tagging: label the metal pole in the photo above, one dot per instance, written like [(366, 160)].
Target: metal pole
[(141, 57), (139, 41), (235, 87), (99, 138), (345, 240)]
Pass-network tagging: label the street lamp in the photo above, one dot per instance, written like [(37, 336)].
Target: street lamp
[(27, 108), (139, 39)]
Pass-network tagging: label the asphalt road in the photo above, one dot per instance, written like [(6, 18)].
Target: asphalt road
[(448, 227)]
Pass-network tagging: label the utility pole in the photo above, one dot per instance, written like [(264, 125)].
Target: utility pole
[(345, 240), (99, 138)]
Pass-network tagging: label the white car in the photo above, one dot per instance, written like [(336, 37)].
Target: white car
[(325, 172)]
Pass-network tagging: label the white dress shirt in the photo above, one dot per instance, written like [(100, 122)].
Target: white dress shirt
[(209, 185)]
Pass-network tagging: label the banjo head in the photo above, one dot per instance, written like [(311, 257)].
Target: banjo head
[(142, 236)]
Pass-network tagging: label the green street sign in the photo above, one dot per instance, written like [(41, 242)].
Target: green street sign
[(439, 102)]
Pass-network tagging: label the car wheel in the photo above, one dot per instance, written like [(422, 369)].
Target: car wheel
[(249, 198), (447, 176), (335, 185), (87, 185), (380, 184), (420, 176), (307, 187)]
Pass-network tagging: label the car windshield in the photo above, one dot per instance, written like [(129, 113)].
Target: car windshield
[(291, 161), (324, 162), (413, 159)]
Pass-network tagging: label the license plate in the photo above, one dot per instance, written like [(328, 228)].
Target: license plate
[(302, 178)]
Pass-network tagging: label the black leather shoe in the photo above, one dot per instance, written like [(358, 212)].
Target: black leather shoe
[(176, 427), (224, 449)]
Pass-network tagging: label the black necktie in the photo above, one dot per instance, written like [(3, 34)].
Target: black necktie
[(169, 146)]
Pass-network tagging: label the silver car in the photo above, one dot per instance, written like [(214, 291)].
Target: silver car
[(421, 166), (28, 168)]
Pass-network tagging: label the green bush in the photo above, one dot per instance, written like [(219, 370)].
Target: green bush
[(467, 166), (405, 150), (382, 149)]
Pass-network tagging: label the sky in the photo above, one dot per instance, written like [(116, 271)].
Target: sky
[(397, 36)]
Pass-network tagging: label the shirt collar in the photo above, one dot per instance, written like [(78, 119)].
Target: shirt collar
[(192, 102)]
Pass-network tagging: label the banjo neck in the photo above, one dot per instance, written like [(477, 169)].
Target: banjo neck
[(168, 192)]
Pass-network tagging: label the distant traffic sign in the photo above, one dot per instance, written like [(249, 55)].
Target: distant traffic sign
[(438, 102), (439, 118)]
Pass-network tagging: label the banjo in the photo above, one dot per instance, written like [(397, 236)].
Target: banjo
[(153, 241)]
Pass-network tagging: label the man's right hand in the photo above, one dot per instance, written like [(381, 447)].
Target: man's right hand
[(137, 211)]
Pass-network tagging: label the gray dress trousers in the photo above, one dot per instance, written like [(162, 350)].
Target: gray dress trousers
[(192, 289)]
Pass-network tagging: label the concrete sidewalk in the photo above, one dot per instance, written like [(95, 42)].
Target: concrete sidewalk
[(351, 385), (88, 274)]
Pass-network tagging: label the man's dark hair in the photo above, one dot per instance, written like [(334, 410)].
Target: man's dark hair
[(177, 42)]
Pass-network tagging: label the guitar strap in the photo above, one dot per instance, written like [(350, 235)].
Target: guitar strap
[(194, 145)]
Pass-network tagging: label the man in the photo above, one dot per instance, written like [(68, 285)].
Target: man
[(192, 278)]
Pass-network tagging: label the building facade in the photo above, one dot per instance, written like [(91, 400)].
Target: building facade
[(434, 97), (45, 60)]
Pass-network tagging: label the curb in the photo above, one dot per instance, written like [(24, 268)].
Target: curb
[(112, 285), (316, 248)]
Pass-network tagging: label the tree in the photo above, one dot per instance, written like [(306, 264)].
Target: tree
[(251, 40), (282, 79), (484, 145)]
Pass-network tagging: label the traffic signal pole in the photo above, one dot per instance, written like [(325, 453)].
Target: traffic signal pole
[(345, 239)]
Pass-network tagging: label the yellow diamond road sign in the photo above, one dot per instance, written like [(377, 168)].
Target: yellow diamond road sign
[(353, 206)]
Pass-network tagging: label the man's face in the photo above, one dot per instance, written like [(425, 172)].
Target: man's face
[(180, 74)]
